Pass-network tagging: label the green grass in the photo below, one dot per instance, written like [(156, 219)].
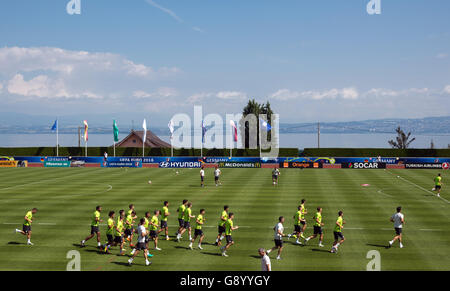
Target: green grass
[(66, 199)]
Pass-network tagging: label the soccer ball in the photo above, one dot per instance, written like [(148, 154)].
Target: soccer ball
[(149, 181), (176, 172)]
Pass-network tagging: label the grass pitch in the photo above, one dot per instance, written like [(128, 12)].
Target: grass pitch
[(66, 199)]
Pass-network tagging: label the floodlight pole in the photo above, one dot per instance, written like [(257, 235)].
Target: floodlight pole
[(318, 134)]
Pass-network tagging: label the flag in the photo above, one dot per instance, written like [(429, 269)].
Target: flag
[(55, 125), (115, 131), (234, 130), (265, 125), (144, 126), (203, 132), (171, 128), (85, 131)]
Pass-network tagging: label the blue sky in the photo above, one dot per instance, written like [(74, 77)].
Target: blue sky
[(324, 60)]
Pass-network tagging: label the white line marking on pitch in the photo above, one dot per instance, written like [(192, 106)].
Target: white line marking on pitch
[(420, 187)]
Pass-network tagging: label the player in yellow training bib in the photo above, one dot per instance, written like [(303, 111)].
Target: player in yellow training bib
[(198, 229), (26, 228), (94, 227), (338, 236)]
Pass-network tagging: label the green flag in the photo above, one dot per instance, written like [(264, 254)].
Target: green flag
[(116, 131)]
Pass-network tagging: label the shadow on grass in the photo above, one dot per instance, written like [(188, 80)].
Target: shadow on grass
[(320, 250), (255, 257), (121, 264), (378, 246), (180, 247), (15, 243), (212, 254)]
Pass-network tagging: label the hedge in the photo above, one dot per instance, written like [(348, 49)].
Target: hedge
[(374, 152), (136, 152)]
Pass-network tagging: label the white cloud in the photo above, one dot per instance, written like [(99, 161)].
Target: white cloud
[(447, 89), (19, 59), (227, 95), (49, 72), (161, 92), (345, 93), (222, 95), (44, 87), (382, 92)]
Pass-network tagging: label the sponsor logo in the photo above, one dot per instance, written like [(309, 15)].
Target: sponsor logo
[(366, 165), (53, 164), (424, 166), (8, 164), (180, 164), (239, 165)]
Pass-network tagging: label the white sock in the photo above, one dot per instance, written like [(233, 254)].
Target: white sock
[(83, 241), (17, 230), (337, 245), (217, 240), (29, 240), (320, 242), (99, 244), (221, 238)]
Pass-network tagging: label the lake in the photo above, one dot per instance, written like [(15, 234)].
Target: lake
[(306, 140)]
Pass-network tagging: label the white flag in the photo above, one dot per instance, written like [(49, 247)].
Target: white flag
[(171, 128), (144, 126)]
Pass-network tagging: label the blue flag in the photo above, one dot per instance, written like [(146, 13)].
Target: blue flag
[(265, 125), (55, 125)]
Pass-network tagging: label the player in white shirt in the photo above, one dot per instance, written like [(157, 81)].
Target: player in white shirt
[(202, 176), (278, 237), (141, 244), (266, 266), (275, 174), (398, 219), (216, 176)]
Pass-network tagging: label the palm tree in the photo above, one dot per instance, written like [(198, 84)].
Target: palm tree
[(402, 141)]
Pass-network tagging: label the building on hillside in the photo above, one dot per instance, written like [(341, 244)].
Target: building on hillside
[(134, 140)]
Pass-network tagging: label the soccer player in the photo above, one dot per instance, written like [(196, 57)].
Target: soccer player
[(118, 231), (141, 246), (216, 176), (94, 227), (302, 219), (198, 229), (26, 228), (146, 225), (338, 236), (202, 177), (438, 184), (180, 211), (278, 237), (398, 219), (154, 223), (164, 216), (109, 231), (275, 174), (317, 227), (229, 227), (265, 261), (129, 226), (187, 221), (221, 228), (297, 225), (130, 210)]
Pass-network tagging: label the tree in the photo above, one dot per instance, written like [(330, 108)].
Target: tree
[(253, 107), (402, 141), (432, 145)]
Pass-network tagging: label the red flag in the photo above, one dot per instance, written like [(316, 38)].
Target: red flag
[(234, 129)]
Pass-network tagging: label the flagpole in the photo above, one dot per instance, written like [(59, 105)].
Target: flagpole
[(85, 148), (57, 138), (114, 148), (171, 146), (260, 142)]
